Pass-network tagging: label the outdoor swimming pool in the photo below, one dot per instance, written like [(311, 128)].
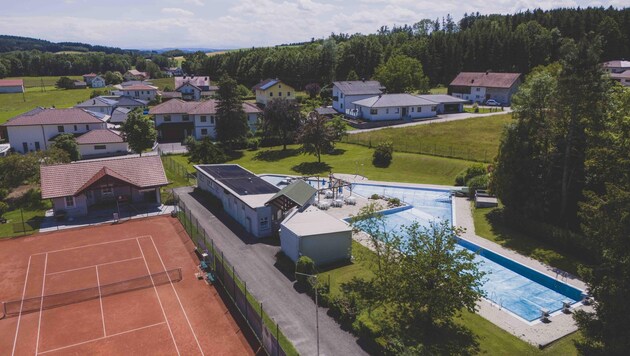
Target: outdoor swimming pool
[(508, 284)]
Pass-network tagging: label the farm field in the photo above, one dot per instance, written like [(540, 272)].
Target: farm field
[(15, 104)]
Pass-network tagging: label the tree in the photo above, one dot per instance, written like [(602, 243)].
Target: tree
[(243, 91), (113, 78), (338, 127), (68, 143), (64, 83), (204, 151), (139, 131), (4, 207), (402, 74), (312, 89), (352, 75), (316, 136), (383, 154), (281, 117), (231, 124)]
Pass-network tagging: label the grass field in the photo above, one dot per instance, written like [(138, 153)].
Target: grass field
[(32, 219), (471, 139), (352, 159), (162, 82), (439, 90)]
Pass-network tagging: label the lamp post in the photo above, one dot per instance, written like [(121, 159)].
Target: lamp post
[(316, 304)]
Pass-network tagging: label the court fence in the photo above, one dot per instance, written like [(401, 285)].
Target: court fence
[(265, 329)]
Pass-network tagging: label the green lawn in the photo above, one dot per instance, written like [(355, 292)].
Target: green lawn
[(481, 110), (351, 159), (162, 82), (472, 139), (49, 81), (32, 219), (490, 228), (438, 90)]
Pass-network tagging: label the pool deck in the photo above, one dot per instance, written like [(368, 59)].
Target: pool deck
[(536, 333)]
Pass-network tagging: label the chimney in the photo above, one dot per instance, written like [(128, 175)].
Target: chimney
[(93, 101)]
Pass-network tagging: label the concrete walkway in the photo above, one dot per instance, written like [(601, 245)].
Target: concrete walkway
[(254, 262), (438, 119)]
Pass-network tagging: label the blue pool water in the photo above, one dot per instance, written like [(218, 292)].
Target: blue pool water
[(513, 286)]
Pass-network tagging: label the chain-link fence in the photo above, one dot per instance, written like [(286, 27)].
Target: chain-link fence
[(267, 331)]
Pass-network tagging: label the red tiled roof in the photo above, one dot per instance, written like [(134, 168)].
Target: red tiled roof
[(176, 106), (11, 82), (70, 179), (54, 117), (99, 136), (139, 87), (485, 79)]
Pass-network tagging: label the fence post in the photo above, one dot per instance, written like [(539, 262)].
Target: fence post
[(277, 340), (234, 284), (23, 225), (246, 301)]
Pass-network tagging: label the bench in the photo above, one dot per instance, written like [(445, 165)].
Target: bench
[(210, 277)]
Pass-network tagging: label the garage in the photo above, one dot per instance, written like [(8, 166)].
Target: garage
[(175, 132)]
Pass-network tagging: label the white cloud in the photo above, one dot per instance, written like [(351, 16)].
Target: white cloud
[(177, 11), (194, 2)]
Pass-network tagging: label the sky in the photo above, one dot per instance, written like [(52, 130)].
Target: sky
[(227, 24)]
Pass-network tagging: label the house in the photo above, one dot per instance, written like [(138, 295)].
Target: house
[(101, 143), (130, 103), (98, 82), (79, 84), (480, 87), (446, 104), (392, 107), (176, 119), (36, 129), (195, 88), (618, 66), (11, 86), (77, 188), (99, 104), (189, 91), (270, 89), (87, 78), (173, 71), (119, 116), (623, 77), (140, 91), (347, 92), (133, 74), (168, 95), (243, 194)]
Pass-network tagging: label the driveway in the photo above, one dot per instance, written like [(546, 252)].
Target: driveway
[(438, 119), (254, 262), (172, 148)]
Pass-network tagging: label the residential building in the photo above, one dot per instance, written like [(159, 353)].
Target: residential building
[(623, 77), (140, 91), (270, 89), (195, 88), (617, 66), (87, 78), (480, 87), (173, 71), (176, 119), (131, 103), (243, 195), (446, 104), (11, 86), (77, 188), (36, 129), (79, 84), (168, 95), (101, 143), (98, 82), (99, 104), (134, 74), (119, 116), (392, 107), (347, 92)]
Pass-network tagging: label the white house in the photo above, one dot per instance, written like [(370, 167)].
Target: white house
[(101, 143), (446, 104), (347, 92), (11, 86), (189, 91), (98, 82), (175, 119), (78, 187), (35, 130), (99, 104), (617, 66), (140, 91), (623, 77), (243, 194), (270, 89), (392, 107), (480, 87), (87, 78)]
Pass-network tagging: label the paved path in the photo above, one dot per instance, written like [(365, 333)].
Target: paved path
[(254, 262), (441, 118)]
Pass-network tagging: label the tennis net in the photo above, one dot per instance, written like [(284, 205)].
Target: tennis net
[(29, 305)]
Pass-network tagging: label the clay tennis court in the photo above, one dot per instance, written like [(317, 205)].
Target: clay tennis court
[(128, 288)]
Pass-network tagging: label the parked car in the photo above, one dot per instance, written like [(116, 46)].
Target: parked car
[(492, 102)]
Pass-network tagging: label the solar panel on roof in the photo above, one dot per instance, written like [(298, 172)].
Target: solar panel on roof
[(240, 180)]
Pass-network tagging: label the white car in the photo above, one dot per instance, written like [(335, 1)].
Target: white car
[(492, 102)]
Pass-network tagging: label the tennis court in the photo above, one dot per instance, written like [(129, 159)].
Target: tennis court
[(114, 289)]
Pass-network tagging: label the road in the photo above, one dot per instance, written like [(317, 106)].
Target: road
[(254, 262)]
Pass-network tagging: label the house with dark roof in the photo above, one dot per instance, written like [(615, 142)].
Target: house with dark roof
[(119, 115), (36, 129), (99, 104), (392, 107), (11, 86), (346, 92), (176, 119), (77, 188), (79, 84), (128, 102), (446, 104), (101, 143), (480, 87), (270, 89)]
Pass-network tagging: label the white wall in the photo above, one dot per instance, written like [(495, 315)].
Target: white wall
[(98, 82), (290, 243), (111, 149), (43, 133), (345, 101), (395, 113), (79, 209), (188, 89), (327, 248), (140, 94)]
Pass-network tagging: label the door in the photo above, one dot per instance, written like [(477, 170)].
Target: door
[(37, 146), (25, 147), (404, 112)]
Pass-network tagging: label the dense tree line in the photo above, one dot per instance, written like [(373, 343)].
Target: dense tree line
[(17, 43), (517, 42)]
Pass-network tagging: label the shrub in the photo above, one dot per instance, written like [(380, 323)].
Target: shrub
[(304, 265), (459, 180), (253, 143), (475, 170), (375, 197), (476, 107), (383, 154), (3, 193), (394, 202), (477, 183), (4, 207)]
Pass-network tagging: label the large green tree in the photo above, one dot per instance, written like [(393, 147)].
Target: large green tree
[(402, 74), (316, 136), (68, 143), (231, 124), (139, 131), (204, 151), (281, 118)]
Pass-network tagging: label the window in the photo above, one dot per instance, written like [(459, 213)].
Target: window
[(25, 147), (100, 147), (341, 95), (185, 118), (341, 105), (373, 111), (270, 93), (279, 93), (204, 132), (203, 118), (75, 128), (137, 93), (279, 86), (37, 146), (288, 93), (478, 89), (264, 222), (397, 110), (434, 108), (387, 111), (212, 120), (419, 109), (412, 109), (60, 129), (87, 127), (69, 202), (167, 118), (107, 191)]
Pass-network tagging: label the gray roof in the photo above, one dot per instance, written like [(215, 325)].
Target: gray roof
[(326, 111), (315, 222), (393, 100), (442, 99), (299, 192), (119, 115), (129, 101), (97, 102), (360, 87)]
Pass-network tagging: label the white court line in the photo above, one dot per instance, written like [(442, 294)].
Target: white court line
[(17, 328), (100, 299), (158, 297), (102, 338), (97, 244), (176, 294), (41, 304), (100, 264)]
